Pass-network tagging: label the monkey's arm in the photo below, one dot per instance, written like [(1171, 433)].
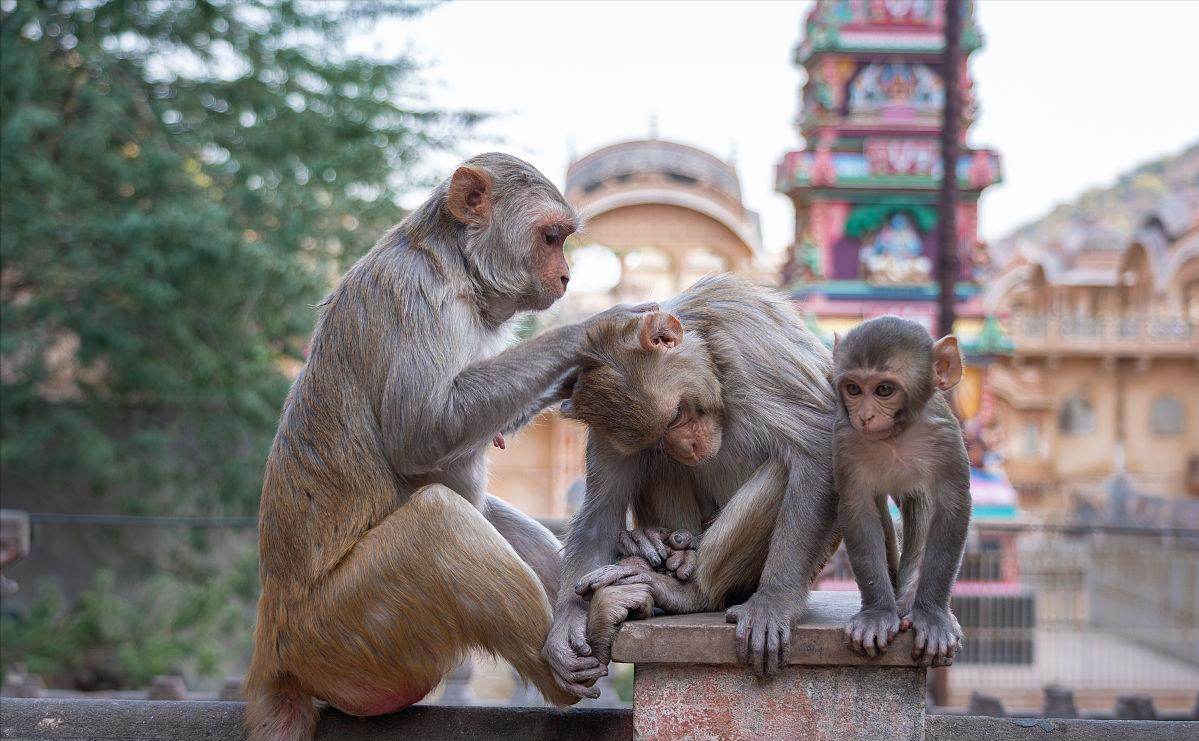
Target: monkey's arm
[(560, 390), (440, 412), (860, 514), (803, 537), (612, 481), (938, 633)]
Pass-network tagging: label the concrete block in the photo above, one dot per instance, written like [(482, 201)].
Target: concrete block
[(688, 683), (693, 702)]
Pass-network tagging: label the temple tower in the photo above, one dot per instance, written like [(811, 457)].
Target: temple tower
[(865, 185)]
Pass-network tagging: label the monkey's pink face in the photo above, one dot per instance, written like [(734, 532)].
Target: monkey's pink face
[(550, 270), (873, 402), (691, 437)]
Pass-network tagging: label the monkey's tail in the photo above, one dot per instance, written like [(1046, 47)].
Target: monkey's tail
[(277, 710)]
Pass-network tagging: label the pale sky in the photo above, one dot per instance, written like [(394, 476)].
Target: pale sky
[(1072, 92)]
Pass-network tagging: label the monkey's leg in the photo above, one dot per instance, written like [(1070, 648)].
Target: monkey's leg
[(871, 630), (913, 508), (733, 550), (531, 540), (429, 582), (884, 515), (938, 633)]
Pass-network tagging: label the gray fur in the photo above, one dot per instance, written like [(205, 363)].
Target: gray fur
[(925, 468), (768, 488)]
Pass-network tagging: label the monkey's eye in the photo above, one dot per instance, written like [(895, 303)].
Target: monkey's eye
[(552, 235), (884, 390), (678, 416), (853, 389)]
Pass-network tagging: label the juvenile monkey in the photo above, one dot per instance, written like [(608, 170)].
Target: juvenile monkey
[(715, 409), (896, 435), (383, 559)]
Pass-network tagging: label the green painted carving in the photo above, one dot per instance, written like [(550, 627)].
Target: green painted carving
[(869, 218)]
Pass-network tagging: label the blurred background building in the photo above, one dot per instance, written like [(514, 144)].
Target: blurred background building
[(1081, 398)]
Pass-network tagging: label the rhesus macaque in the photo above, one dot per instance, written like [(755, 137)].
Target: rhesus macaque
[(383, 559), (716, 409), (896, 435)]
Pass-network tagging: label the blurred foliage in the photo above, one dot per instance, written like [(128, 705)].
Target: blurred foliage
[(181, 182), (104, 640)]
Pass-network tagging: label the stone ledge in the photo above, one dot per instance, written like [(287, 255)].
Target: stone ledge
[(706, 638), (974, 728), (149, 720)]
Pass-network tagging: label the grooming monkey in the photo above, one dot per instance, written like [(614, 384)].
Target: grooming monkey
[(716, 409), (896, 435), (383, 559)]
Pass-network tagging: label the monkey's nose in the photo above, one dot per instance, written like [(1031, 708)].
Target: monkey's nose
[(565, 279)]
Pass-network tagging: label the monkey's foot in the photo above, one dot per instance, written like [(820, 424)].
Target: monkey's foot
[(871, 631), (610, 607), (938, 635), (763, 632)]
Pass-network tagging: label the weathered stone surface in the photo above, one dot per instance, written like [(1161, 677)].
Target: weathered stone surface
[(975, 728), (695, 702), (705, 638), (139, 720)]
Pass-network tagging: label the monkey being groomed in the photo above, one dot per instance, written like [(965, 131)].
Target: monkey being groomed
[(896, 435), (383, 559), (717, 409)]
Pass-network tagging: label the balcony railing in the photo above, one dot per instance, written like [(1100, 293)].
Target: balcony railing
[(1091, 335)]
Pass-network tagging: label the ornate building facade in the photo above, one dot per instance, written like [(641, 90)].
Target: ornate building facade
[(865, 186), (1100, 399)]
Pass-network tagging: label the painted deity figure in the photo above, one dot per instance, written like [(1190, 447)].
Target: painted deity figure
[(895, 253)]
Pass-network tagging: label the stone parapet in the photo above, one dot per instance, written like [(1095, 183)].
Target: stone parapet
[(688, 683)]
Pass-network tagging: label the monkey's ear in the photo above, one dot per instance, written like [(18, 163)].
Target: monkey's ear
[(469, 198), (947, 362), (836, 340), (660, 331)]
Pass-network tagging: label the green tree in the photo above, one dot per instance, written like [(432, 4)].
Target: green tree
[(181, 182)]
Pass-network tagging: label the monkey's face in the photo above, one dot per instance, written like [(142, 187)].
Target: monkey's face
[(641, 389), (874, 401), (515, 227), (549, 272)]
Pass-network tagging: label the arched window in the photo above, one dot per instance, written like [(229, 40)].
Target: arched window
[(1077, 416), (1166, 416)]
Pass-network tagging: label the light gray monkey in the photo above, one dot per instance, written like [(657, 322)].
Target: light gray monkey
[(716, 409)]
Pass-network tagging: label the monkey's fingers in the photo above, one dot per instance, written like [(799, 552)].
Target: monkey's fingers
[(686, 570), (588, 677), (576, 638), (651, 550), (576, 689), (774, 648), (602, 577), (498, 441), (680, 540)]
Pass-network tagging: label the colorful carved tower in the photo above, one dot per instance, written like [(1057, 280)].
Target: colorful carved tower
[(865, 185)]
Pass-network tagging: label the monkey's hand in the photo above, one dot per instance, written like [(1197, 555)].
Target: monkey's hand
[(607, 575), (871, 631), (569, 656), (763, 632), (662, 549), (938, 635)]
